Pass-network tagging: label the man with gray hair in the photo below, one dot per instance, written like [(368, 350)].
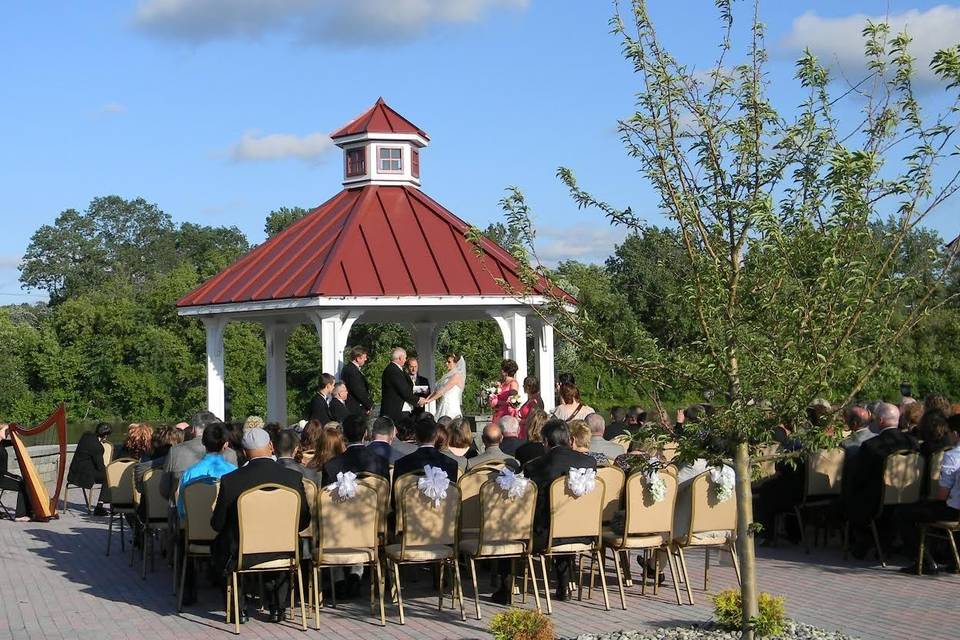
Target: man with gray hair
[(509, 426), (186, 454), (597, 444), (397, 387)]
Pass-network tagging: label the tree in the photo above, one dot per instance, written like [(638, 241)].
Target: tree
[(280, 219), (796, 291)]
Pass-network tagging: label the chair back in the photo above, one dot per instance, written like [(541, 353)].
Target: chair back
[(668, 452), (427, 523), (198, 501), (644, 515), (470, 484), (107, 453), (155, 505), (310, 491), (825, 472), (933, 474), (268, 517), (306, 456), (572, 516), (348, 523), (399, 487), (707, 513), (120, 481), (613, 481), (382, 486), (506, 519), (767, 468), (902, 477)]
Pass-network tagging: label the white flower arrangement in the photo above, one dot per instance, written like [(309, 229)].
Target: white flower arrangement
[(345, 486), (656, 486), (434, 484), (514, 484), (489, 390), (723, 479), (580, 482), (514, 401)]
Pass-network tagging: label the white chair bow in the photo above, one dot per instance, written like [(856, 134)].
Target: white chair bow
[(434, 484), (345, 486), (515, 484), (656, 486), (724, 479), (581, 481)]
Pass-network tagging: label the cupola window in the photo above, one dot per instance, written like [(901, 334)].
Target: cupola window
[(391, 160)]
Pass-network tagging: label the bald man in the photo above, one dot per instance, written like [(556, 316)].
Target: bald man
[(492, 437)]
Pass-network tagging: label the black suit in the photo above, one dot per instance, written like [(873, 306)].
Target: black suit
[(87, 468), (615, 429), (420, 381), (11, 482), (358, 389), (863, 494), (319, 410), (338, 410), (510, 444), (358, 458), (306, 472), (397, 388), (224, 520), (529, 451), (426, 455)]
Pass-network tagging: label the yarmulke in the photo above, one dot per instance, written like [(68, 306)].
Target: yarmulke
[(256, 438)]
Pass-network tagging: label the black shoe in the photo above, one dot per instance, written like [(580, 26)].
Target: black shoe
[(562, 595), (100, 511), (501, 596), (189, 599), (347, 589), (277, 615), (244, 616), (353, 586)]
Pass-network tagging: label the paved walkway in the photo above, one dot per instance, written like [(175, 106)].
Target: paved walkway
[(56, 582)]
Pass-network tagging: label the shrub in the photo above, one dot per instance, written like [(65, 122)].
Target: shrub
[(728, 612), (521, 624)]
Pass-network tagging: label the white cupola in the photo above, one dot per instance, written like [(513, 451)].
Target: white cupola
[(380, 147)]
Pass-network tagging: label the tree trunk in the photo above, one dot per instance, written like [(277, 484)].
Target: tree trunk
[(745, 548)]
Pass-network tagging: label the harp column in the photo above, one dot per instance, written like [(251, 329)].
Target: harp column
[(215, 327)]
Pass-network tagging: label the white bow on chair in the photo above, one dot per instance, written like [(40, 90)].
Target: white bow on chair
[(434, 484), (723, 478), (515, 484), (581, 481), (346, 485)]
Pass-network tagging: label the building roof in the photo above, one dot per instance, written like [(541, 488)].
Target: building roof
[(373, 241), (380, 118)]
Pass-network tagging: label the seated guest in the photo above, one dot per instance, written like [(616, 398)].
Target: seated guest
[(492, 436), (163, 439), (260, 469), (338, 403), (183, 456), (12, 482), (618, 424), (357, 457), (910, 417), (580, 441), (285, 445), (933, 432), (252, 422), (319, 408), (329, 445), (935, 401), (405, 441), (308, 440), (636, 416), (426, 453), (857, 420), (211, 467), (533, 448), (87, 467), (382, 434), (556, 463), (137, 442), (571, 407), (458, 442), (510, 427), (638, 455), (946, 506), (598, 444)]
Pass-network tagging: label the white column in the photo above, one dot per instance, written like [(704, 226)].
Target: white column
[(545, 363), (276, 339), (513, 326), (215, 326), (425, 336), (334, 329)]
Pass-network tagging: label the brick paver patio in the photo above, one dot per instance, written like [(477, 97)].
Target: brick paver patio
[(56, 582)]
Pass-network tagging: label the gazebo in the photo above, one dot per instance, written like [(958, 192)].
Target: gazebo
[(381, 250)]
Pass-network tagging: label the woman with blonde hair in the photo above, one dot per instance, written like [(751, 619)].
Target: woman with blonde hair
[(580, 441)]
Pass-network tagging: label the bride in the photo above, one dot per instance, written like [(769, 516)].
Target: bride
[(449, 389)]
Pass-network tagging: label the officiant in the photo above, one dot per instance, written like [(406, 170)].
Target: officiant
[(421, 386), (397, 395)]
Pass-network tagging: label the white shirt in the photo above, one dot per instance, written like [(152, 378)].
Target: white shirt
[(950, 475)]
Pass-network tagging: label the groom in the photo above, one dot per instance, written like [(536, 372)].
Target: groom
[(397, 387)]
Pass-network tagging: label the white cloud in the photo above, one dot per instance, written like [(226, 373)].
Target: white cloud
[(253, 147), (583, 242), (344, 22), (113, 108), (838, 41)]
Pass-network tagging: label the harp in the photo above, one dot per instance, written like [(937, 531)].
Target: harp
[(49, 440)]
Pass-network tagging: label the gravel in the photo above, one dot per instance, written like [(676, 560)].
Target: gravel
[(794, 631)]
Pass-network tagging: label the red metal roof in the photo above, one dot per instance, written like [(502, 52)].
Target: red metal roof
[(379, 118), (372, 241)]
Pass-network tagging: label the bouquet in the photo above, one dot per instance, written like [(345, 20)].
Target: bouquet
[(489, 390)]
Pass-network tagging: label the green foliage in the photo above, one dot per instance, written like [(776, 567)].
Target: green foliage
[(280, 219), (521, 624), (728, 612)]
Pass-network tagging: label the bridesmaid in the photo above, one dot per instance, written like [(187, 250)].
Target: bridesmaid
[(509, 387), (531, 388)]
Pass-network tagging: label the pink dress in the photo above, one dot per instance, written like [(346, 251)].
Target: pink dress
[(501, 402), (533, 402)]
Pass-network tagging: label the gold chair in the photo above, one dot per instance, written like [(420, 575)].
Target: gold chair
[(933, 473), (429, 536), (123, 496), (268, 517), (154, 515), (574, 517), (505, 531), (613, 481), (823, 486), (470, 484), (199, 499), (712, 524), (347, 534), (648, 525)]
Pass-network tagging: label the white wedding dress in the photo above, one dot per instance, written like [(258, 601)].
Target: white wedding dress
[(449, 404)]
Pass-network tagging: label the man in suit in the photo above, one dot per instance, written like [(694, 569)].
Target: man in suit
[(358, 389), (618, 424), (597, 442), (510, 428), (285, 445), (358, 457), (426, 453), (412, 369), (492, 436), (397, 387), (260, 469), (319, 408), (338, 408), (189, 453), (556, 463)]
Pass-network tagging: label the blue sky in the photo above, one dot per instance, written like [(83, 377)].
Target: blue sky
[(217, 110)]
